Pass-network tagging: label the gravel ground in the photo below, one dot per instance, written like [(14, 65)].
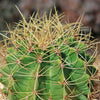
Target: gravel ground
[(97, 65)]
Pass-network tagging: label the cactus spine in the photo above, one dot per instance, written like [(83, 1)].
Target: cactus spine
[(46, 61)]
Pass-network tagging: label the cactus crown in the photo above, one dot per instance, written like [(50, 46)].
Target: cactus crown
[(47, 60)]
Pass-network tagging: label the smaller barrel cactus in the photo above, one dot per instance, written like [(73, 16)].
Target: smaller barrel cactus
[(47, 60)]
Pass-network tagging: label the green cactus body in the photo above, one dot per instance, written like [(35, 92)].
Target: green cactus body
[(46, 68)]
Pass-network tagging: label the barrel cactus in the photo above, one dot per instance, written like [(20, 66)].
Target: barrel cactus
[(47, 60)]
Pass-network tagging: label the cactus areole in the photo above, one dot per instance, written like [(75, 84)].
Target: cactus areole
[(47, 60)]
